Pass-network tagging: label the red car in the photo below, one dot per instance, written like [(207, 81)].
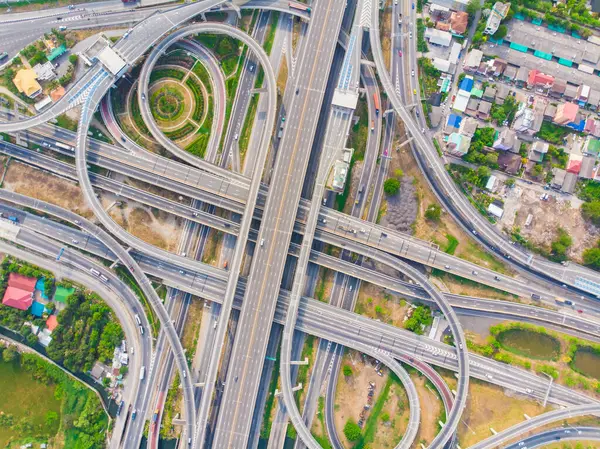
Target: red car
[(580, 311), (400, 53)]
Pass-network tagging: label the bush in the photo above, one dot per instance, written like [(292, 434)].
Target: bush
[(352, 431), (433, 212), (391, 186), (73, 59), (560, 245), (421, 317), (591, 211), (347, 370)]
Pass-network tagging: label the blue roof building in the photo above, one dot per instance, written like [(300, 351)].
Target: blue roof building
[(39, 285), (466, 84), (454, 120), (37, 309)]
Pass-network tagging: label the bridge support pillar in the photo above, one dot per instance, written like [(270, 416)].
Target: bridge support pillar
[(178, 422), (114, 264), (296, 388), (406, 142), (367, 62), (300, 362), (199, 384), (113, 204)]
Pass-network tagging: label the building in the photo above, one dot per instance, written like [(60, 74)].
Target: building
[(466, 84), (19, 292), (510, 73), (468, 127), (524, 119), (442, 26), (537, 151), (58, 51), (455, 5), (461, 100), (587, 167), (458, 22), (566, 113), (44, 72), (26, 83), (539, 81), (489, 93), (498, 67), (558, 177), (438, 37), (522, 76), (495, 208), (490, 186), (549, 112), (568, 185), (591, 147), (498, 13), (506, 140), (574, 163), (590, 126), (454, 53), (595, 6), (458, 144), (42, 103), (57, 94), (570, 92), (443, 65), (472, 60), (558, 89), (509, 162), (51, 323), (594, 100), (102, 51), (61, 294), (452, 124), (502, 92), (472, 106), (583, 94), (483, 111)]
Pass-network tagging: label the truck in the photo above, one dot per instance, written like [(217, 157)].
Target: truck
[(94, 272), (376, 101), (120, 408), (3, 55), (64, 146), (142, 373), (563, 301), (13, 219), (299, 7)]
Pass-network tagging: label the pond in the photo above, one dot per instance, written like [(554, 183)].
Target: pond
[(587, 362), (28, 401), (530, 344)]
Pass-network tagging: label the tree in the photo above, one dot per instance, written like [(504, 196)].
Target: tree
[(591, 257), (433, 212), (510, 182), (491, 160), (347, 370), (391, 186), (538, 170), (591, 211), (385, 417), (560, 245), (398, 173), (73, 59), (483, 172), (501, 32), (51, 307), (10, 354), (352, 431), (472, 7), (123, 370)]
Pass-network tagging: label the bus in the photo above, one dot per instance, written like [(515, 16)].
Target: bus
[(64, 146), (299, 7), (142, 373), (376, 101)]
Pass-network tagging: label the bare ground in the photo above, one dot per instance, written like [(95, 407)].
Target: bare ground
[(351, 393), (35, 183), (282, 76), (371, 298), (431, 409), (550, 215), (402, 208)]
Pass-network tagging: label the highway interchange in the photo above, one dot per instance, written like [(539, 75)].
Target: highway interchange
[(282, 213)]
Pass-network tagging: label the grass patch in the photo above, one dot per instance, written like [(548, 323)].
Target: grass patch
[(66, 122), (200, 71), (166, 73), (198, 98), (180, 133), (360, 131), (246, 132), (307, 351), (265, 430), (198, 146), (270, 37)]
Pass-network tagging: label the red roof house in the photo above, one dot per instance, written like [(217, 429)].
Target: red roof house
[(566, 113), (574, 165), (539, 79), (51, 322), (19, 293)]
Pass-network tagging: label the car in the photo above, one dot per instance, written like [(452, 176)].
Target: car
[(262, 242), (418, 114), (3, 55), (579, 311), (181, 272), (567, 431), (62, 28), (399, 53), (423, 130), (410, 34), (447, 267), (413, 6), (528, 391), (235, 136), (474, 232), (75, 242), (123, 139), (412, 73), (414, 91), (251, 67), (297, 90), (183, 254), (460, 345), (474, 273), (496, 278), (143, 96), (351, 287)]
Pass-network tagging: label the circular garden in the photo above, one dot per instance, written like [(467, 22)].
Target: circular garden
[(167, 103)]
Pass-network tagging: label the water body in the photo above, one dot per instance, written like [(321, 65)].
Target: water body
[(530, 344), (587, 362)]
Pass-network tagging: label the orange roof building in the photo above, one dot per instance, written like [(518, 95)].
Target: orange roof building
[(458, 22), (57, 93), (51, 322), (26, 83)]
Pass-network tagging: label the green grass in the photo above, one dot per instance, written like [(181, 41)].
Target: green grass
[(452, 244), (167, 103), (371, 424), (198, 146), (137, 116), (247, 128), (66, 122), (180, 133), (200, 71), (265, 430), (307, 351), (198, 98), (360, 131), (166, 73), (268, 45)]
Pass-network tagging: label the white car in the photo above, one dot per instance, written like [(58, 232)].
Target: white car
[(412, 72)]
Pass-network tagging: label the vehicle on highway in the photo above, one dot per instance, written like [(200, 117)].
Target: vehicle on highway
[(447, 267), (120, 408), (3, 55), (410, 34), (535, 296), (142, 373), (299, 7), (251, 67), (412, 73), (400, 19), (423, 130), (226, 264), (134, 415), (62, 28), (376, 101), (262, 242), (181, 272), (297, 90), (13, 219), (474, 273), (141, 330), (414, 91), (123, 139), (94, 272), (400, 53), (143, 96), (104, 278), (372, 125), (413, 6)]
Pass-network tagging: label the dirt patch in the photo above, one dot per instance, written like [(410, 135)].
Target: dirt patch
[(402, 208), (378, 303), (212, 249), (159, 228), (192, 326), (550, 215), (386, 30), (35, 183), (397, 408), (431, 411), (460, 286), (352, 392), (282, 76), (324, 284), (296, 33)]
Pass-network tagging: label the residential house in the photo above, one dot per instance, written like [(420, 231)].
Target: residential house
[(570, 92), (466, 84), (443, 65), (461, 100), (472, 106), (442, 26), (435, 116), (558, 177), (26, 83), (558, 89), (522, 76), (583, 94), (472, 60), (539, 81), (537, 151), (506, 140), (452, 124), (454, 53), (574, 163), (483, 111), (566, 113), (458, 144), (509, 162), (468, 127), (51, 323), (502, 92), (568, 185), (498, 67), (587, 167), (510, 73), (62, 293), (44, 72), (57, 94), (491, 184), (594, 100), (490, 93), (439, 13), (458, 22), (476, 92), (549, 112), (483, 69), (524, 119), (456, 5), (496, 208), (19, 292), (590, 126), (437, 37), (498, 13)]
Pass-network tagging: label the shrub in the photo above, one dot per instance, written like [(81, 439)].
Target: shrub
[(391, 186), (433, 212), (347, 370), (352, 431)]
